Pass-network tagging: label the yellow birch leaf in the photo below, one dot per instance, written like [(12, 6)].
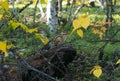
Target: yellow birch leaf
[(45, 40), (97, 71), (77, 3), (76, 24), (24, 27), (3, 47), (43, 1), (118, 62), (1, 16), (5, 5), (14, 24), (101, 35), (31, 30), (84, 20), (9, 46), (42, 38), (80, 33), (94, 68), (97, 67)]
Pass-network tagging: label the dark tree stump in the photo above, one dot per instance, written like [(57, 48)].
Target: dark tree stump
[(45, 65), (54, 61)]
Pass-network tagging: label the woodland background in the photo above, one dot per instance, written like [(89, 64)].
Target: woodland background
[(59, 40)]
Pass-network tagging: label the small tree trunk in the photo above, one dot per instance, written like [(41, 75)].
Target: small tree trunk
[(52, 19)]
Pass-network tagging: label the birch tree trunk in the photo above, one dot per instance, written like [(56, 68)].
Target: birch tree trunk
[(52, 19)]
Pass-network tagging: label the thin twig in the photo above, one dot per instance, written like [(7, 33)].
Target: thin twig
[(35, 11), (25, 7), (77, 10), (40, 72)]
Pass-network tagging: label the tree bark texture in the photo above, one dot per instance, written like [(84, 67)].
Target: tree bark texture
[(52, 19)]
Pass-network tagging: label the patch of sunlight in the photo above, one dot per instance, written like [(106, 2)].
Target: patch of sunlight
[(96, 15), (116, 16), (21, 6)]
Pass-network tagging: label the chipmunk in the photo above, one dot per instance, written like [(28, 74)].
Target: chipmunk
[(59, 39)]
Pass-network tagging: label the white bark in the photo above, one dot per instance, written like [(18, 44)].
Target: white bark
[(40, 7), (52, 19)]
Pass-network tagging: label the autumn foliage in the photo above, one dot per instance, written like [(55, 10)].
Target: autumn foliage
[(82, 42)]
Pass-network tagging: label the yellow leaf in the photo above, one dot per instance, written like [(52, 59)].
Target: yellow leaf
[(101, 35), (97, 67), (118, 62), (14, 24), (9, 46), (3, 47), (80, 33), (1, 16), (43, 1), (31, 30), (94, 68), (76, 24), (97, 71), (5, 5), (78, 2), (45, 40), (24, 27), (84, 20), (42, 38)]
